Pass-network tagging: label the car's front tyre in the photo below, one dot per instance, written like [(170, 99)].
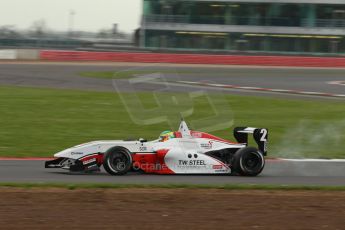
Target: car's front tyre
[(248, 161), (117, 161)]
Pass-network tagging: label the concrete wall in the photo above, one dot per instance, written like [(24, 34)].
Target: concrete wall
[(8, 55), (28, 54), (19, 54)]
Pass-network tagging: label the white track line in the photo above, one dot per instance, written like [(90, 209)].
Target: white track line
[(342, 83), (321, 94)]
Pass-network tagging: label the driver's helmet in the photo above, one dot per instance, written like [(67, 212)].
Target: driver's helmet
[(166, 135)]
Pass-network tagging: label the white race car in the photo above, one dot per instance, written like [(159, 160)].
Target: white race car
[(182, 152)]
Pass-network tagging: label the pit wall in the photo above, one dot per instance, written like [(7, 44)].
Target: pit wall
[(63, 55)]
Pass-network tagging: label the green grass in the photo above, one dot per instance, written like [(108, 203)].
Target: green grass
[(40, 122), (172, 186), (109, 75)]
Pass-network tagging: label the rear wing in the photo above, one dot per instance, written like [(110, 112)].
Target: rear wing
[(260, 136)]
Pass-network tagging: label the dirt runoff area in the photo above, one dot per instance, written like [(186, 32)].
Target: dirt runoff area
[(170, 209)]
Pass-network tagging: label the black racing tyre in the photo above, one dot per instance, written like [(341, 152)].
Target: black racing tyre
[(248, 161), (117, 161)]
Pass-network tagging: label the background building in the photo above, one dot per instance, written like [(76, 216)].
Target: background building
[(284, 26)]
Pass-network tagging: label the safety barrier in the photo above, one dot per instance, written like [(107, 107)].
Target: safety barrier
[(19, 54), (60, 55), (292, 61), (8, 55)]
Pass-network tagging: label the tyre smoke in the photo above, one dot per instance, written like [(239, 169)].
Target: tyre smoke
[(312, 138)]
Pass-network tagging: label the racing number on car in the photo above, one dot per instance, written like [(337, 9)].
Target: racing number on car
[(263, 133), (143, 148), (263, 139)]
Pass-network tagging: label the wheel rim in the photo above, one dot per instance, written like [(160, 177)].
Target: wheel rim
[(252, 162), (119, 161)]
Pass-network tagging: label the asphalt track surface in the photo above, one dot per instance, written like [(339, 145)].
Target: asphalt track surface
[(276, 172), (66, 76)]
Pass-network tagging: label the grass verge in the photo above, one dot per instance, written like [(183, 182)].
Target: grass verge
[(39, 122), (172, 186)]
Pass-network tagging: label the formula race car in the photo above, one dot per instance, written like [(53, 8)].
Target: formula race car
[(181, 152)]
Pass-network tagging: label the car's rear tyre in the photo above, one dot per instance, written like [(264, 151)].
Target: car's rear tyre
[(248, 162), (117, 161)]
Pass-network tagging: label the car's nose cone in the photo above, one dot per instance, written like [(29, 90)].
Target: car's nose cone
[(64, 153)]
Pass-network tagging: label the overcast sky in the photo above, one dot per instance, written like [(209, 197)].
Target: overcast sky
[(91, 15)]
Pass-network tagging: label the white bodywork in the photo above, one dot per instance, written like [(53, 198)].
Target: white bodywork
[(185, 154)]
